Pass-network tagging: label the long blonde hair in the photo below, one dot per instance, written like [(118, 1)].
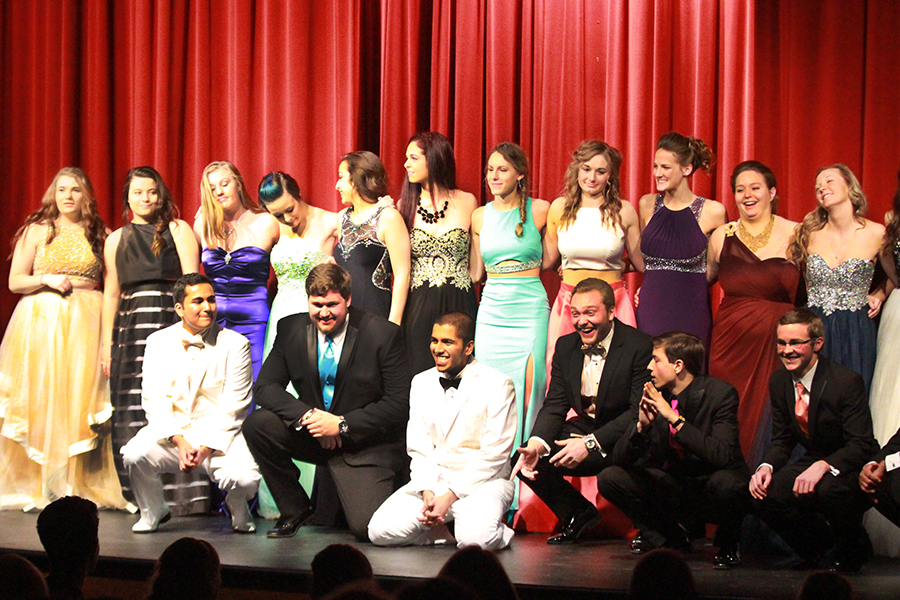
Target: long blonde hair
[(815, 220), (214, 233), (612, 207)]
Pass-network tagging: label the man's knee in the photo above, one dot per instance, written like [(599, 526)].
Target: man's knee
[(258, 421), (611, 480)]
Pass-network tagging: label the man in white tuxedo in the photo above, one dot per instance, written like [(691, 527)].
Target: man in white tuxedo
[(196, 392), (461, 430)]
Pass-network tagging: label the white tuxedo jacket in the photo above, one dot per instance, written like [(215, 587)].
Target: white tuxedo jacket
[(203, 395), (461, 440)]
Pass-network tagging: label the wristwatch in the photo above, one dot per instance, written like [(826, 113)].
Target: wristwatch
[(590, 442), (343, 427)]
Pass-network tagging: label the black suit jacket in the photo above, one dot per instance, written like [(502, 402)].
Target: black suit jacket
[(709, 436), (372, 382), (618, 394), (840, 425)]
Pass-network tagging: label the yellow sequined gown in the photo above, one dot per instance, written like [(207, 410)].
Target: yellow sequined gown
[(52, 389)]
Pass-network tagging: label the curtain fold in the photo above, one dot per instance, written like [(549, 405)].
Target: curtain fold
[(281, 84)]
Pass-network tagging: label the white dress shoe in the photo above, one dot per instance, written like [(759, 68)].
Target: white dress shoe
[(148, 526), (241, 520)]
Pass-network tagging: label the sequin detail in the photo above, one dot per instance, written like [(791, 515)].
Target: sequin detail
[(693, 264), (439, 260), (292, 262), (366, 233), (512, 267), (845, 287), (68, 254)]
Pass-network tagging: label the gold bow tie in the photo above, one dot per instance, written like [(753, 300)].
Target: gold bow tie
[(188, 343)]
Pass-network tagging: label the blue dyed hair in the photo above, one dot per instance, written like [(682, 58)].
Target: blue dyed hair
[(274, 185)]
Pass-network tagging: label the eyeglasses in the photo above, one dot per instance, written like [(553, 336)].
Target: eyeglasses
[(781, 344)]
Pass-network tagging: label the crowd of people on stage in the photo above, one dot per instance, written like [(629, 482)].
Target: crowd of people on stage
[(356, 398)]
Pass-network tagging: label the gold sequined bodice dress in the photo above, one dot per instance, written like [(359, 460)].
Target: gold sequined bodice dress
[(52, 390)]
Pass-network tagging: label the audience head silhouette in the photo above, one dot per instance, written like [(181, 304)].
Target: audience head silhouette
[(337, 566), (21, 579), (187, 570), (68, 531), (662, 575), (482, 570)]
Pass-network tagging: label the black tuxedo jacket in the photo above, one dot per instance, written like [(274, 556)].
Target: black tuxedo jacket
[(372, 382), (618, 394), (840, 425), (709, 437)]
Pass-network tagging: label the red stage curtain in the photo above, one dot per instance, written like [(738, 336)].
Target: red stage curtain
[(280, 84)]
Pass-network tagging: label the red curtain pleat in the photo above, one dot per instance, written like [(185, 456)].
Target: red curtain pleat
[(282, 84)]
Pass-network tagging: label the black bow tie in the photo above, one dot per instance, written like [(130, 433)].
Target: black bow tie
[(448, 383), (592, 349)]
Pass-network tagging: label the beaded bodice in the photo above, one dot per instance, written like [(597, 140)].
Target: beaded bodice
[(673, 240), (439, 260), (843, 287), (362, 240), (292, 260), (68, 254)]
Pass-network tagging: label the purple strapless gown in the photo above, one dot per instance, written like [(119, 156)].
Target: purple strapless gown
[(242, 296), (674, 294)]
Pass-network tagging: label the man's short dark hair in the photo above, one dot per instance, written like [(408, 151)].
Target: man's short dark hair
[(186, 281), (329, 277), (68, 531), (593, 284), (686, 347), (803, 316), (462, 322)]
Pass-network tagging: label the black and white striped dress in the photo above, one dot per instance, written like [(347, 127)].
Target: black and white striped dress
[(146, 305)]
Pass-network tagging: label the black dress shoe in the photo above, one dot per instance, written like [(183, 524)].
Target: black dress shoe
[(728, 557), (578, 524), (640, 544), (286, 528)]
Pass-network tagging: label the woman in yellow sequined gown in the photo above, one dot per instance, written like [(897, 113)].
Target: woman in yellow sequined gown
[(54, 401)]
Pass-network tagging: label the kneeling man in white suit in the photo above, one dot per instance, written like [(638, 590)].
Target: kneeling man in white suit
[(462, 426), (196, 391)]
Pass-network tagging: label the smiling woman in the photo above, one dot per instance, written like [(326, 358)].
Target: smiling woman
[(237, 237), (143, 260), (749, 259), (51, 445)]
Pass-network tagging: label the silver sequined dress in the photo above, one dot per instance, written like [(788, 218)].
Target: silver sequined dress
[(839, 296)]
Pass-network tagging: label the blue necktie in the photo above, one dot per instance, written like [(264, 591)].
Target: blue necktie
[(327, 372)]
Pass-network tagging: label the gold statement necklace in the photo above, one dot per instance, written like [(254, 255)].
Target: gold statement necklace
[(755, 242)]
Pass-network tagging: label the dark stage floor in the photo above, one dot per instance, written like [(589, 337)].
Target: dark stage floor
[(592, 569)]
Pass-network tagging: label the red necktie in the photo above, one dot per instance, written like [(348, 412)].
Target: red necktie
[(801, 409)]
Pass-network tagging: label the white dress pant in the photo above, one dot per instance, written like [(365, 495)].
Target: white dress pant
[(478, 517), (145, 458)]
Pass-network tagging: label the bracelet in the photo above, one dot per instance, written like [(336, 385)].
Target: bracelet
[(679, 421)]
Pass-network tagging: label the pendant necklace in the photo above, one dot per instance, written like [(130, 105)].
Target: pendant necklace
[(432, 218)]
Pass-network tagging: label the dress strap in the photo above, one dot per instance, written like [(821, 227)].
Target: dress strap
[(697, 206), (659, 203)]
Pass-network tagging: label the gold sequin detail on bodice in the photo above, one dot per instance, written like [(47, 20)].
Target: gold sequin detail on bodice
[(68, 254)]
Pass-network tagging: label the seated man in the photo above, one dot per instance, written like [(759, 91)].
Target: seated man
[(822, 406), (462, 427), (196, 392), (681, 459), (349, 369), (599, 372), (880, 479)]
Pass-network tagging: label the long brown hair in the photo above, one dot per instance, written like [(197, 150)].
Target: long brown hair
[(518, 160), (816, 219), (438, 154), (166, 210), (612, 206), (213, 216), (94, 227)]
